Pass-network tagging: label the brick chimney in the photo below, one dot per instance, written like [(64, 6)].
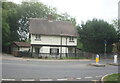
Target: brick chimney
[(50, 18)]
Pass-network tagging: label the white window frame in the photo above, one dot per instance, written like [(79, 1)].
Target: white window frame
[(71, 39), (38, 37)]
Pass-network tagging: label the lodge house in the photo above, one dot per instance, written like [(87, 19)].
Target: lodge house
[(52, 38)]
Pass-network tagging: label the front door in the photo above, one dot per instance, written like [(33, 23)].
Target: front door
[(37, 50)]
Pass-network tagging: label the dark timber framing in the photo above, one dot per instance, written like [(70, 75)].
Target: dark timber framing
[(66, 48), (75, 47), (61, 48), (62, 29)]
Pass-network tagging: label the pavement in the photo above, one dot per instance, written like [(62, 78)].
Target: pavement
[(21, 69), (11, 57)]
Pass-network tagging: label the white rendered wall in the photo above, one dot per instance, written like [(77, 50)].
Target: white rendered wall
[(53, 40), (24, 49), (20, 49), (45, 49)]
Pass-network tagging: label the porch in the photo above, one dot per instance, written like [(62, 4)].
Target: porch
[(53, 51)]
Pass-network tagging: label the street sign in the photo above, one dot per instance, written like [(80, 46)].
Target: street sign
[(105, 42)]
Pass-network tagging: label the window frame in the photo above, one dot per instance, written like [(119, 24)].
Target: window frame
[(71, 39), (54, 51), (38, 37)]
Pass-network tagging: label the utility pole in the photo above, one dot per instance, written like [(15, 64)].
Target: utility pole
[(105, 43)]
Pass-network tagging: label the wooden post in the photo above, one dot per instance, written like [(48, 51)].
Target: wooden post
[(66, 47), (32, 51), (75, 51), (61, 48)]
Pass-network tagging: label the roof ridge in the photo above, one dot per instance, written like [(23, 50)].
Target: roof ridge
[(47, 19)]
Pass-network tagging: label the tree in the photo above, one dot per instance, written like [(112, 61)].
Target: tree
[(15, 19), (37, 10), (0, 25), (116, 24), (94, 33), (30, 10), (66, 17), (9, 25)]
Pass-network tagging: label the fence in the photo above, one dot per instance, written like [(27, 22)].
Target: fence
[(84, 55), (23, 54), (79, 55)]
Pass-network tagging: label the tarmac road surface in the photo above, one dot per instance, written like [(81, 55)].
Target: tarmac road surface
[(16, 69)]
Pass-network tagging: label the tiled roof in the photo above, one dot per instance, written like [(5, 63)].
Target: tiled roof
[(52, 27), (22, 44)]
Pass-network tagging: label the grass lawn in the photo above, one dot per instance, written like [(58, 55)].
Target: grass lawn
[(74, 58), (113, 78), (78, 58)]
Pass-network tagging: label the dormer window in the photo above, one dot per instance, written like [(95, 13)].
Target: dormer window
[(38, 37), (71, 39)]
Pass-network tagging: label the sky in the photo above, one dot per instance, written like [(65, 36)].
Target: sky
[(84, 10)]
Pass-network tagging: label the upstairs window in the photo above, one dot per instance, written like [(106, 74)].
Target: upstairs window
[(71, 39), (38, 37)]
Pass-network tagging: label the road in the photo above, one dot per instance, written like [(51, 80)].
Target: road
[(15, 69)]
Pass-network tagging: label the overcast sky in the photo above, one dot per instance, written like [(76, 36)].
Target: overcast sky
[(84, 10)]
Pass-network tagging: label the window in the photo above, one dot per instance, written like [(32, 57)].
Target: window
[(54, 51), (71, 39), (37, 37)]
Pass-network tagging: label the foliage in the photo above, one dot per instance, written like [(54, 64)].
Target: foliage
[(31, 10), (66, 17), (9, 24), (37, 10), (116, 24), (94, 33), (79, 43), (0, 25)]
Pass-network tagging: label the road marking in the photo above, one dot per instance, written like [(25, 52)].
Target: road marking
[(98, 76), (88, 77), (62, 79), (27, 79), (95, 80), (78, 78), (46, 79), (8, 79)]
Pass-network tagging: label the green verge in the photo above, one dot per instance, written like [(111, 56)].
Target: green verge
[(113, 78), (74, 58)]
